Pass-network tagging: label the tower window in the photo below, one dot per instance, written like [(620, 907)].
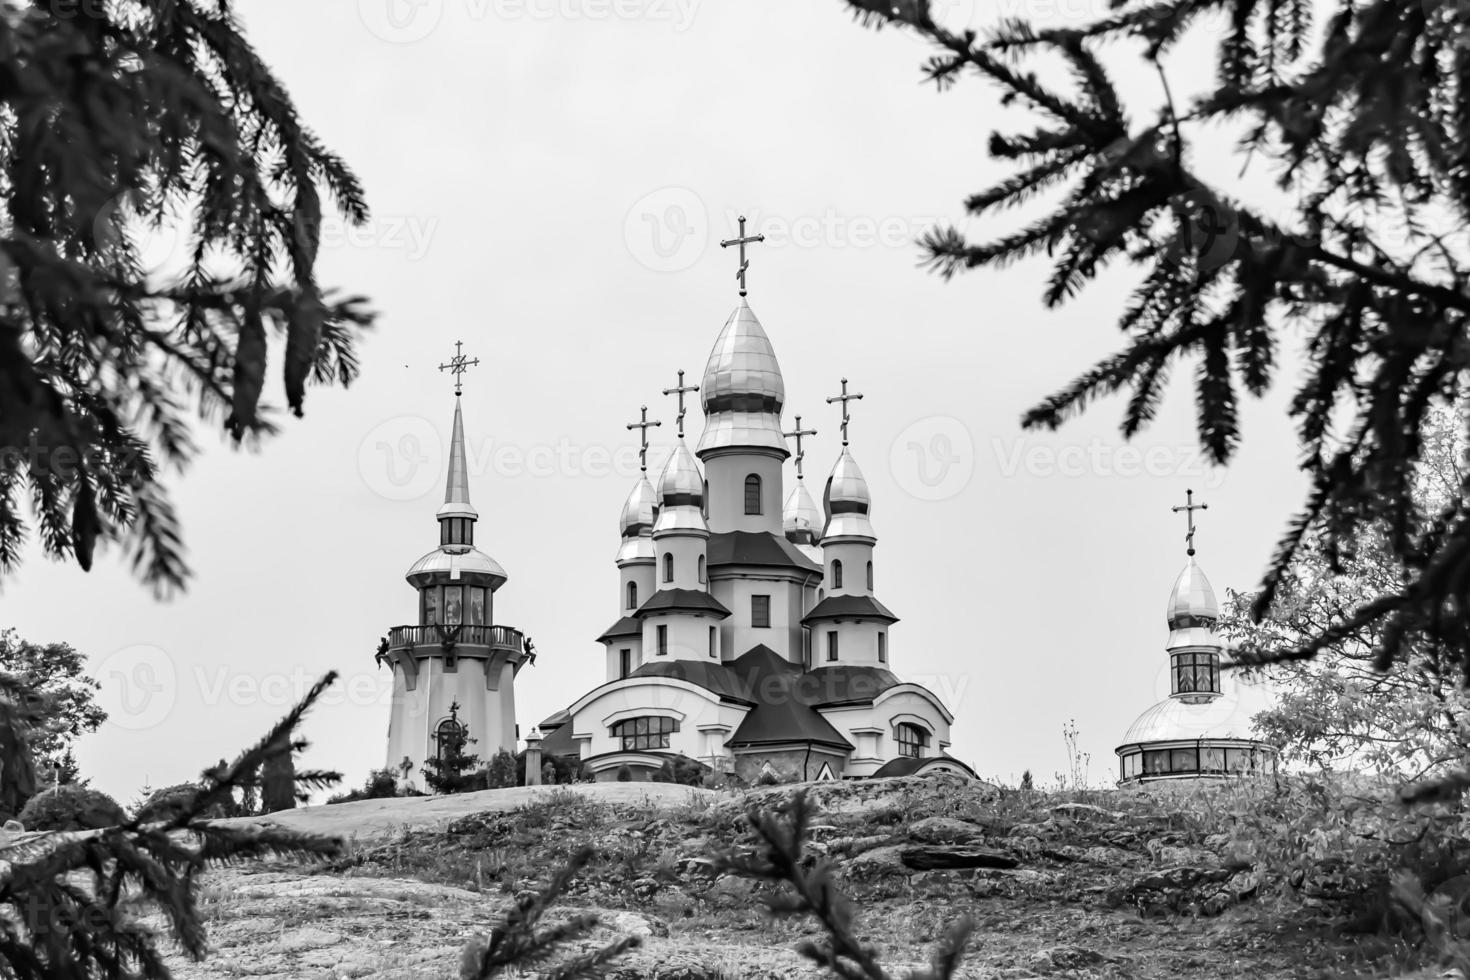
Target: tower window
[(760, 611), (640, 734), (870, 576), (883, 648), (836, 574), (632, 595), (701, 569), (668, 566), (477, 606), (625, 662), (453, 604), (912, 740), (431, 606), (662, 632), (831, 644), (752, 494), (1196, 673), (449, 737), (712, 641)]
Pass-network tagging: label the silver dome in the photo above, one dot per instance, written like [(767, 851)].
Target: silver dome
[(1191, 598), (457, 562), (847, 501), (680, 494), (800, 514), (742, 392), (1176, 719), (638, 508)]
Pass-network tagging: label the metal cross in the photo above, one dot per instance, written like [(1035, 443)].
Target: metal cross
[(643, 424), (742, 240), (458, 365), (844, 398), (797, 435), (1189, 508), (680, 390)]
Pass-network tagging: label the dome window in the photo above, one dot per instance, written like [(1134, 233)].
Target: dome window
[(643, 734), (752, 495)]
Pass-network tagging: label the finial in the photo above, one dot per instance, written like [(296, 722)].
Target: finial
[(797, 435), (458, 365), (681, 389), (742, 240), (643, 425), (1189, 508), (844, 398)]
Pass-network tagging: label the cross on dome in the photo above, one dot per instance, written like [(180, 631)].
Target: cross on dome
[(1189, 507), (681, 389), (797, 435), (643, 424), (458, 365), (844, 398), (742, 240)]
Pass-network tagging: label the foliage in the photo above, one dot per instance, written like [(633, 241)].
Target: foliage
[(451, 769), (56, 674), (380, 784), (681, 769), (516, 944), (72, 902), (504, 771), (278, 786), (1027, 783), (119, 120), (1361, 111), (625, 775), (166, 803), (781, 858), (71, 808)]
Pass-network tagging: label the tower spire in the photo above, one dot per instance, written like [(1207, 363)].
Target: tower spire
[(1189, 508), (844, 398), (742, 240)]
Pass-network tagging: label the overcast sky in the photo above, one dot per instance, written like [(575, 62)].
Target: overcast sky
[(549, 180)]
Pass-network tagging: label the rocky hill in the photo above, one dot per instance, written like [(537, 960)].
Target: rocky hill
[(1099, 885)]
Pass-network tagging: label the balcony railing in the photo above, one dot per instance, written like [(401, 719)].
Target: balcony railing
[(502, 637)]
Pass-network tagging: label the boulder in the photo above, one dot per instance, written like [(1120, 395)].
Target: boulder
[(1189, 890), (945, 830), (931, 857)]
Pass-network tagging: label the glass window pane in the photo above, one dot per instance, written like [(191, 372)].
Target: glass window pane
[(1184, 760), (477, 606), (431, 606), (453, 599), (1212, 760)]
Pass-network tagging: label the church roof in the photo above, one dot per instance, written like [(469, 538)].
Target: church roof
[(456, 560), (559, 741), (692, 600), (1191, 598), (457, 483), (785, 720), (1177, 719), (907, 765), (800, 515), (713, 677), (627, 626), (638, 508), (847, 500), (756, 548), (846, 684), (742, 391), (850, 607)]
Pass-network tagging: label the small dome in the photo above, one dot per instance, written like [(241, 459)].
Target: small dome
[(680, 494), (1175, 719), (456, 563), (638, 509), (1191, 601), (847, 501), (742, 392), (801, 515)]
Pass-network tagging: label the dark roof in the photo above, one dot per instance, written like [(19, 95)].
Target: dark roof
[(786, 720), (627, 626), (713, 677), (907, 766), (560, 742), (756, 548), (560, 718), (693, 600), (853, 684), (850, 607)]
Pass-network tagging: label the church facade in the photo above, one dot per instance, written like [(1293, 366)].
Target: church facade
[(748, 634)]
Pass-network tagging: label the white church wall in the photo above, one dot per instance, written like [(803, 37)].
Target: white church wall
[(691, 706), (857, 643), (726, 474), (641, 574), (688, 637), (687, 551), (784, 633), (854, 556), (416, 714)]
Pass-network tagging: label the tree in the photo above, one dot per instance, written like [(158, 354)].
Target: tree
[(504, 771), (56, 675), (1362, 119), (118, 120), (452, 770), (278, 780), (1338, 710)]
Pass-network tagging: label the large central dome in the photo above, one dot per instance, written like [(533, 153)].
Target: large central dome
[(742, 392)]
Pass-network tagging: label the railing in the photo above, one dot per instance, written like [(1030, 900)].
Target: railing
[(504, 637)]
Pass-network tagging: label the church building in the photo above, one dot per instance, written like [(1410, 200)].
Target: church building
[(1200, 731), (749, 636)]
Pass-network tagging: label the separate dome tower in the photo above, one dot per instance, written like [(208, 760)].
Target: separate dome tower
[(800, 518)]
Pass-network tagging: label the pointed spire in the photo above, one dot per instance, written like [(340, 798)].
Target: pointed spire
[(457, 483)]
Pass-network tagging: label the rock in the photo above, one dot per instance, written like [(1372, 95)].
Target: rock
[(1108, 857), (634, 924), (1189, 890), (877, 862), (928, 857), (1082, 810), (945, 830), (731, 890), (307, 938), (853, 846), (1066, 958)]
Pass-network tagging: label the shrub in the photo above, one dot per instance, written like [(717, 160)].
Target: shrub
[(501, 773), (625, 775), (381, 784), (165, 803), (71, 808)]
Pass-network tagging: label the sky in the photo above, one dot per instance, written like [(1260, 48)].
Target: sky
[(549, 180)]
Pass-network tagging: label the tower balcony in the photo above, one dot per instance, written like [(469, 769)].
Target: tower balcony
[(490, 649), (466, 637)]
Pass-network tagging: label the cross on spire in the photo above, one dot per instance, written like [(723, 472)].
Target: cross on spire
[(643, 424), (742, 240), (680, 390), (458, 365), (1189, 508), (797, 435), (844, 398)]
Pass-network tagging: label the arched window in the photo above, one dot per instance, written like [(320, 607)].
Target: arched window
[(448, 738), (752, 494), (712, 641), (701, 569), (641, 734), (870, 576), (668, 566), (632, 595), (836, 574), (912, 740)]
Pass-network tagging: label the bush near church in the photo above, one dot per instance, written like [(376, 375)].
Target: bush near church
[(171, 800), (71, 808), (381, 784)]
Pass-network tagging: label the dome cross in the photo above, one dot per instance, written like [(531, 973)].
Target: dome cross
[(844, 398), (681, 389), (797, 435), (458, 365), (643, 425), (1189, 508), (742, 240)]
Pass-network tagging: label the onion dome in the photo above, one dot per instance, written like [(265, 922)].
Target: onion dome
[(742, 392), (847, 501), (680, 493), (801, 520), (1191, 601), (636, 523), (457, 485)]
